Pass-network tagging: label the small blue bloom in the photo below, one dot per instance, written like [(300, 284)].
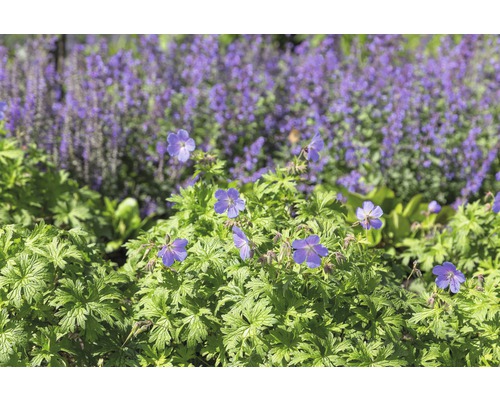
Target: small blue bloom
[(241, 242), (309, 250), (3, 108), (229, 201), (369, 215), (173, 251), (434, 207), (180, 145), (496, 203), (447, 274), (497, 176), (314, 148)]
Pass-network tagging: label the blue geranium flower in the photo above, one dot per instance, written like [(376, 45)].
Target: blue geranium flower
[(447, 274), (173, 251), (369, 215), (314, 148), (434, 207), (241, 242), (3, 107), (496, 203), (180, 145), (309, 250), (229, 201)]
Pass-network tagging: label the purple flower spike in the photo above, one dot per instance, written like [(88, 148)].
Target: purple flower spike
[(173, 251), (369, 215), (180, 145), (309, 250), (229, 201), (241, 242), (447, 274), (497, 175), (496, 203), (434, 207), (3, 107), (314, 148)]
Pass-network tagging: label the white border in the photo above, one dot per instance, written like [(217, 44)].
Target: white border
[(257, 16), (247, 383)]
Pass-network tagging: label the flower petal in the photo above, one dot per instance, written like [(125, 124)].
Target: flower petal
[(172, 138), (460, 277), (299, 256), (312, 240), (442, 282), (220, 194), (454, 285), (179, 255), (233, 194), (376, 212), (312, 155), (232, 211), (173, 149), (365, 224), (439, 270), (221, 206), (190, 145), (299, 244), (321, 250), (313, 260), (162, 251), (367, 207), (449, 266), (360, 214), (168, 258), (239, 237), (183, 155), (179, 244), (245, 252), (496, 203), (182, 135), (376, 223)]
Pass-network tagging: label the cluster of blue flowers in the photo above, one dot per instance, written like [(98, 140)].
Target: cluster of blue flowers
[(308, 250), (439, 106)]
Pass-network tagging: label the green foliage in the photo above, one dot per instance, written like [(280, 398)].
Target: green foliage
[(33, 190), (401, 221), (470, 239), (215, 309), (372, 302), (60, 302)]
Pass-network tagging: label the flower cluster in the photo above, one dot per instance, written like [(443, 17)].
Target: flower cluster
[(415, 114)]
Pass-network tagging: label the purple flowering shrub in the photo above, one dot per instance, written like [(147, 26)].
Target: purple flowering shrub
[(387, 114)]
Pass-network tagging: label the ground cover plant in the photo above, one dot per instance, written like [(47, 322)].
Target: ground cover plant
[(250, 201)]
